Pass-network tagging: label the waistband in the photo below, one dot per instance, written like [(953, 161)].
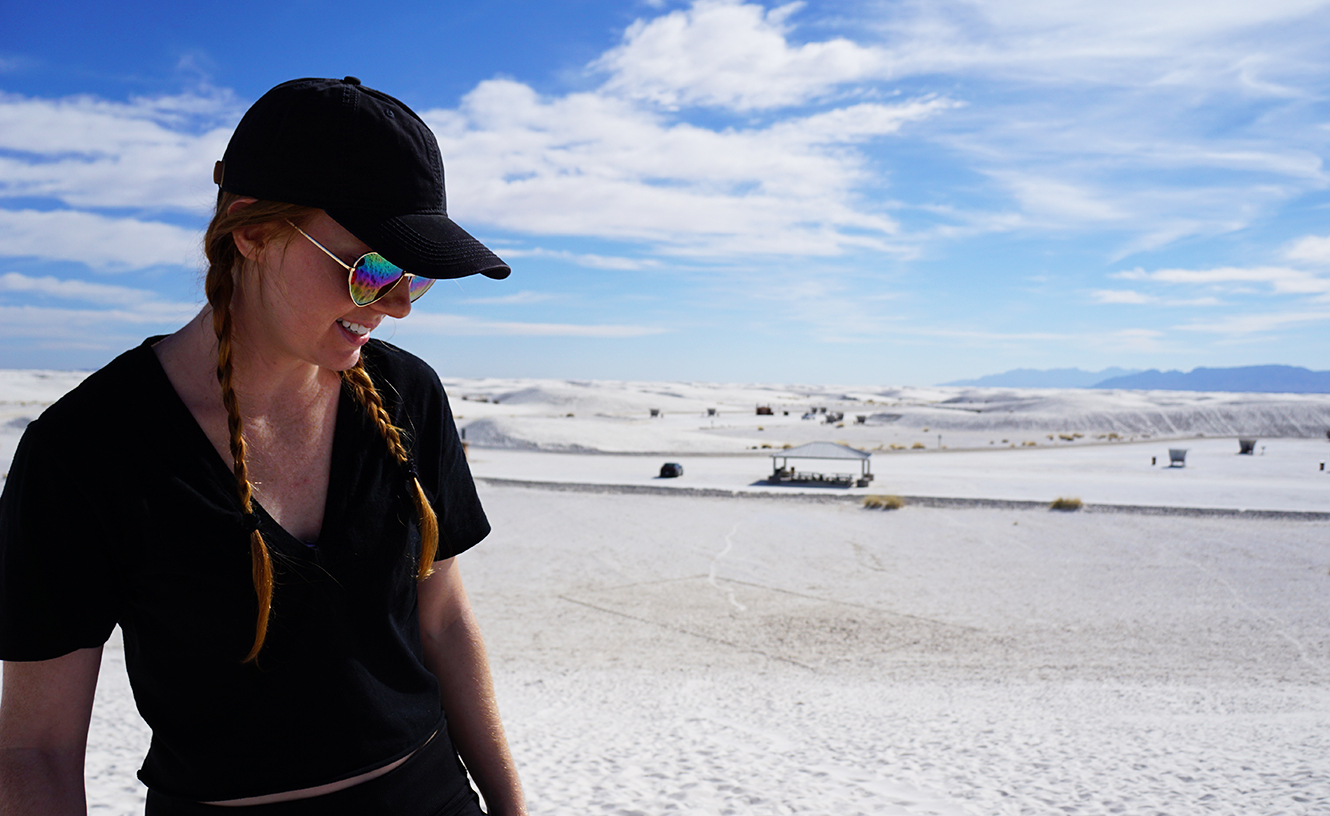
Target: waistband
[(432, 782)]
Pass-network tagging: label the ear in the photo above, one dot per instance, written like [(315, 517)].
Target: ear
[(249, 240)]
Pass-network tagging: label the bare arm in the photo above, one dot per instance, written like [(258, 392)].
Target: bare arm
[(45, 708), (455, 653)]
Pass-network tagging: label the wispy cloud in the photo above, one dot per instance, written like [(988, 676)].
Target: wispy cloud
[(1312, 249), (522, 298), (586, 259), (594, 165), (88, 292), (1255, 323), (151, 152), (1121, 296), (1132, 297), (101, 242), (40, 322), (445, 324), (1280, 280)]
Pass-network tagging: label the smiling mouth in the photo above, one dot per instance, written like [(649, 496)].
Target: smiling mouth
[(354, 328)]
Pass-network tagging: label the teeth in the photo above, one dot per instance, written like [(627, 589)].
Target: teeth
[(354, 328)]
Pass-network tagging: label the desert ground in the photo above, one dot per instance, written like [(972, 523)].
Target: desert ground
[(713, 644)]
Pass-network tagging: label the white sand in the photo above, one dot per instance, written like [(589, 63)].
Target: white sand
[(678, 653), (614, 417)]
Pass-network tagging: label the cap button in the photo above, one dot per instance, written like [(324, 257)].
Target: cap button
[(352, 80)]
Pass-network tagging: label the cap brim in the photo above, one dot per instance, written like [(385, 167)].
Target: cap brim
[(430, 245)]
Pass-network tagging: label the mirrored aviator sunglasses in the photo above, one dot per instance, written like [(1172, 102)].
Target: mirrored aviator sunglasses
[(372, 276)]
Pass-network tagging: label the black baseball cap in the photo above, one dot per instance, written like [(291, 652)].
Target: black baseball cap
[(364, 158)]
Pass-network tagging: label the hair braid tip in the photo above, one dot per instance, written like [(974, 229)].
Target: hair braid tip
[(261, 567)]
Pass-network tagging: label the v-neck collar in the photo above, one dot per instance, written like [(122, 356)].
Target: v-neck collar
[(332, 503)]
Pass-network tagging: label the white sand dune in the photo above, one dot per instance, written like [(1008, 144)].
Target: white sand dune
[(615, 417), (768, 653)]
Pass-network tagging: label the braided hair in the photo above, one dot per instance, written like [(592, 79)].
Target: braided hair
[(224, 263)]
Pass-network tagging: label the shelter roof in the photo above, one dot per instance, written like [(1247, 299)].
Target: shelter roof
[(821, 450)]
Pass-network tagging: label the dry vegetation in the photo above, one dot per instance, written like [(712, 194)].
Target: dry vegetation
[(884, 502), (1066, 503)]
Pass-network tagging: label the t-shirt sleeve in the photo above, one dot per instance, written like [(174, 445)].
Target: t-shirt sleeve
[(56, 584)]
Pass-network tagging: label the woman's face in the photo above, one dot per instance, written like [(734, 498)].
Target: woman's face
[(293, 304)]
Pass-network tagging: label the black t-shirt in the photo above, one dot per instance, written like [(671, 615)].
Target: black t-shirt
[(118, 509)]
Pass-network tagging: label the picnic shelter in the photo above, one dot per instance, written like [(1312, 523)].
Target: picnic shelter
[(783, 472)]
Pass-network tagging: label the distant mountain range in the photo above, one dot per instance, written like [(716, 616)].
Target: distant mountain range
[(1047, 378), (1266, 378)]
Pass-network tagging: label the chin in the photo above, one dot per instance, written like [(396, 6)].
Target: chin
[(350, 363)]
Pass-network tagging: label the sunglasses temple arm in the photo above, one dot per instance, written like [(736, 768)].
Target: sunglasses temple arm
[(322, 247)]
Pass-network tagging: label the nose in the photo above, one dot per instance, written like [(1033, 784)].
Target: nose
[(397, 303)]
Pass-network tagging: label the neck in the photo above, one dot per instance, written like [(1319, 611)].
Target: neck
[(265, 384)]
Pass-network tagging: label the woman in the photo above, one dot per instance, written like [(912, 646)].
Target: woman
[(269, 503)]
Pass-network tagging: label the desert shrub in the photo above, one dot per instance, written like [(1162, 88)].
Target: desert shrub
[(917, 446), (1066, 437), (884, 502), (1066, 503)]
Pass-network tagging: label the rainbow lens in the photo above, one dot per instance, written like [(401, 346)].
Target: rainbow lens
[(373, 276), (417, 286)]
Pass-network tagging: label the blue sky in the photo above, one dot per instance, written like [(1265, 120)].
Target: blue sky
[(824, 192)]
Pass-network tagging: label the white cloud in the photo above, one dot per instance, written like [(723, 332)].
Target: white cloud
[(522, 298), (591, 165), (1130, 297), (1256, 323), (1181, 43), (151, 152), (1050, 199), (39, 322), (98, 241), (445, 324), (1313, 249), (733, 55), (1122, 296), (1281, 280), (586, 259), (88, 292)]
